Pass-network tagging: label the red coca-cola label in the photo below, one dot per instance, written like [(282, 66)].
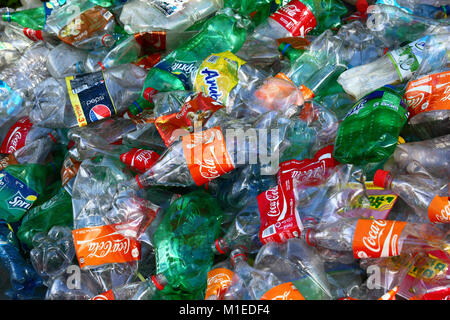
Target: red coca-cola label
[(279, 220), (296, 18), (198, 109), (439, 294), (16, 136), (139, 160), (309, 172), (33, 35), (108, 295)]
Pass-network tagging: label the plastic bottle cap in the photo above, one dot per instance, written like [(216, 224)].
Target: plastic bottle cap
[(362, 5), (379, 178)]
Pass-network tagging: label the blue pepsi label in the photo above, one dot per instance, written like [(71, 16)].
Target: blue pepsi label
[(90, 98), (16, 197)]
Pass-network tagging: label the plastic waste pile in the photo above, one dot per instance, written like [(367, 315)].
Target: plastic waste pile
[(225, 150)]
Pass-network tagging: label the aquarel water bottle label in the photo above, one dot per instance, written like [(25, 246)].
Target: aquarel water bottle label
[(218, 75), (90, 98), (407, 59)]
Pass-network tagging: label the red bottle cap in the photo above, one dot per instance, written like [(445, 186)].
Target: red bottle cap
[(380, 178), (362, 5)]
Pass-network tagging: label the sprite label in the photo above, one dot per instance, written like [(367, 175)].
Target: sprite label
[(16, 198)]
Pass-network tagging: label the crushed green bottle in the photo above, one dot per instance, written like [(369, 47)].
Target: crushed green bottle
[(20, 186), (370, 131), (183, 242), (55, 212)]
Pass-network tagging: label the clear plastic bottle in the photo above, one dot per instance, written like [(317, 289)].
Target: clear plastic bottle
[(392, 68), (430, 202), (368, 238), (144, 290), (248, 283), (431, 156), (143, 16), (91, 97)]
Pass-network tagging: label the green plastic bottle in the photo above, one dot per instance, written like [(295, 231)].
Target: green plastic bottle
[(34, 18), (221, 33), (289, 52), (369, 132), (55, 212), (183, 242), (20, 186)]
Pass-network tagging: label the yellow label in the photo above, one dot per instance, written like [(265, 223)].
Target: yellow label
[(428, 270), (218, 75), (76, 104), (380, 202)]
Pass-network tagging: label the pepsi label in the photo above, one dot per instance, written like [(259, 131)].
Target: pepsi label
[(90, 98)]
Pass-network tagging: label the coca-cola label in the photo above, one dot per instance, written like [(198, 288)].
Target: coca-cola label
[(439, 210), (309, 172), (7, 160), (428, 93), (284, 291), (439, 294), (377, 238), (103, 244), (279, 220), (219, 280), (206, 155), (296, 18), (108, 295), (198, 109), (139, 160), (33, 35), (16, 136)]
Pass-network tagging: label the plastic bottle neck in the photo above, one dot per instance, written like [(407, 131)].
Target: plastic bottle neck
[(159, 280), (220, 246)]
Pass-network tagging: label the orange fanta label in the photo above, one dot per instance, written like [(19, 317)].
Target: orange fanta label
[(285, 291), (428, 93), (376, 238), (100, 245), (206, 155), (219, 280), (439, 210)]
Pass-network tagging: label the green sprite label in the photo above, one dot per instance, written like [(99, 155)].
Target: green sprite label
[(16, 198)]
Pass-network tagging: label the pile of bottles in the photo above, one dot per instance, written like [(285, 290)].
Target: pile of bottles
[(225, 150)]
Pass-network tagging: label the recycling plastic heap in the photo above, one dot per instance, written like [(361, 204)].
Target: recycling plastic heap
[(225, 149)]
